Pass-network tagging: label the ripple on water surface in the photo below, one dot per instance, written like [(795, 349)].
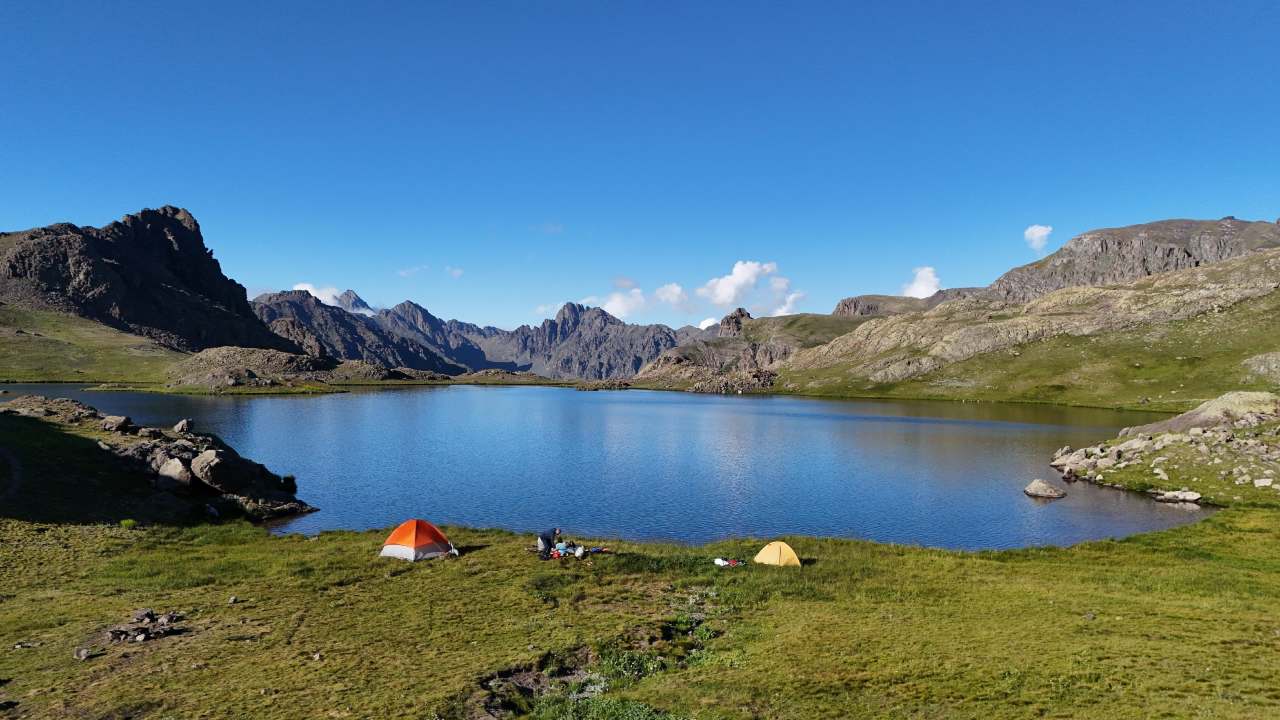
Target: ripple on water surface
[(670, 466)]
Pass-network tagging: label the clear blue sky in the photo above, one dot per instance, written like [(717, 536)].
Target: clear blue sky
[(563, 150)]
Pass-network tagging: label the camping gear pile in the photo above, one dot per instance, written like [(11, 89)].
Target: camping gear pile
[(415, 540), (728, 562), (571, 549)]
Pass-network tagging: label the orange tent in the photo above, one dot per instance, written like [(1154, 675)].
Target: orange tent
[(416, 540)]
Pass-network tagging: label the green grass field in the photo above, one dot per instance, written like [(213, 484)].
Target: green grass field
[(41, 346), (1180, 623)]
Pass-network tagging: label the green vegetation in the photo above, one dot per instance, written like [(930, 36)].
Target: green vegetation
[(802, 330), (1173, 366), (42, 346), (1167, 624)]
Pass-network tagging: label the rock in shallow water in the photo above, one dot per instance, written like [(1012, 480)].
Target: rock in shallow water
[(1041, 489)]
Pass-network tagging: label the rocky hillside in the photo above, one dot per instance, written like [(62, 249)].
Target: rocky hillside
[(149, 274), (329, 331), (1118, 255), (744, 352), (1130, 342), (884, 305)]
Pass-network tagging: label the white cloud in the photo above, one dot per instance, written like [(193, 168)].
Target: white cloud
[(621, 304), (731, 288), (406, 272), (923, 283), (673, 295), (707, 323), (623, 282), (326, 295), (788, 306), (1036, 236), (454, 272)]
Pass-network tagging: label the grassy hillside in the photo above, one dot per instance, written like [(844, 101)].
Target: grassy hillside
[(1169, 624), (1170, 366), (803, 330), (37, 345)]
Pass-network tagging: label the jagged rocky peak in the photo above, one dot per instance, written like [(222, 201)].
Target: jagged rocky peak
[(149, 273), (731, 324), (1117, 255), (351, 302)]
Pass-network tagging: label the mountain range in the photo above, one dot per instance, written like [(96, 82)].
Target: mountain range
[(151, 275)]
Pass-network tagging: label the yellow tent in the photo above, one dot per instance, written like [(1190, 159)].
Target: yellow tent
[(777, 553)]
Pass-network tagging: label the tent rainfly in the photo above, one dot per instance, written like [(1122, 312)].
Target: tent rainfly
[(416, 540), (777, 553)]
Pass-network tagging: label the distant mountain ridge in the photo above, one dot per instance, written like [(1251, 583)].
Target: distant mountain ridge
[(330, 331), (149, 274), (580, 342)]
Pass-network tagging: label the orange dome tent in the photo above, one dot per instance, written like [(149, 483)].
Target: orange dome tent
[(416, 540)]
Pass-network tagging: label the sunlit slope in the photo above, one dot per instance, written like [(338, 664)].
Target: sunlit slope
[(1168, 342), (37, 345)]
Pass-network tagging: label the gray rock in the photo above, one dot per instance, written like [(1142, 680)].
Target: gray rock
[(1118, 255), (184, 425), (1041, 489), (116, 423), (176, 470)]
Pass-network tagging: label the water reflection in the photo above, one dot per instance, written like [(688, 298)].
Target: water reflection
[(650, 465)]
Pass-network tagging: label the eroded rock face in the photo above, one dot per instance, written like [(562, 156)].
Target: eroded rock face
[(731, 324), (1118, 255), (885, 305), (149, 274), (198, 470), (891, 349)]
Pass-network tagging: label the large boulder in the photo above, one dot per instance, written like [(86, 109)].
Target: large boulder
[(1041, 489), (1265, 366), (116, 423)]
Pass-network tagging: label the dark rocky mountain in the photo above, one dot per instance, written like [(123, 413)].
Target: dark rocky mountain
[(884, 305), (580, 342), (412, 321), (149, 274), (329, 331), (1118, 255)]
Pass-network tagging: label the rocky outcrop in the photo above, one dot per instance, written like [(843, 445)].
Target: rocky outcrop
[(233, 367), (149, 274), (1120, 255), (885, 305), (329, 331), (731, 324), (891, 349), (1265, 366), (1223, 410), (183, 469), (1226, 447)]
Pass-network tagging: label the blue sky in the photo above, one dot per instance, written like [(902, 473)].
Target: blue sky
[(492, 160)]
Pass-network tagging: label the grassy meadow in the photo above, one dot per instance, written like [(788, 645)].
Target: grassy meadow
[(42, 346)]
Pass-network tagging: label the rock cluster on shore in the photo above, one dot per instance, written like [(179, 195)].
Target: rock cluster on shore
[(1215, 434), (184, 468)]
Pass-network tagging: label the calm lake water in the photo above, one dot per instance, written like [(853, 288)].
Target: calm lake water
[(670, 466)]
